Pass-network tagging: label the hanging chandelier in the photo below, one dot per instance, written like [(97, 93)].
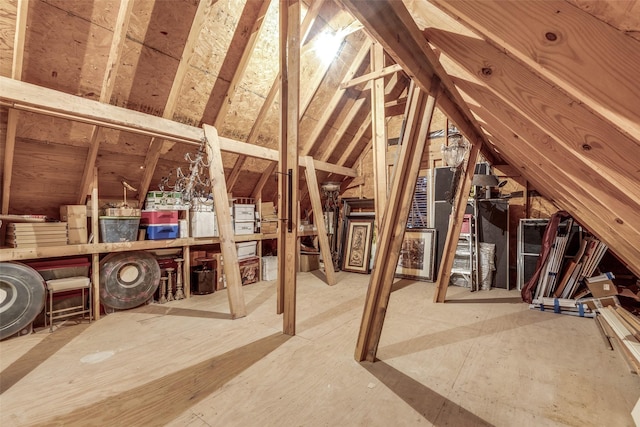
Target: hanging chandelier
[(455, 152)]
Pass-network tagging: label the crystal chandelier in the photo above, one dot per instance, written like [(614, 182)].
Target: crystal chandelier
[(456, 150)]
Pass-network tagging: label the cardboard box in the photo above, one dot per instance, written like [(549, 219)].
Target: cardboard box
[(595, 303), (269, 227), (76, 218), (250, 270), (309, 262), (602, 288)]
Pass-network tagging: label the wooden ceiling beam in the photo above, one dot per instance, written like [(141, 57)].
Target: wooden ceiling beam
[(12, 119), (587, 58), (37, 99), (391, 69), (108, 83), (391, 25), (254, 133)]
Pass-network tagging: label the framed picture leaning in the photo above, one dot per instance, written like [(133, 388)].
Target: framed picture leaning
[(416, 260), (357, 250)]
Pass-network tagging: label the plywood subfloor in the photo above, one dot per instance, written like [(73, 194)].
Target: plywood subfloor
[(480, 359)]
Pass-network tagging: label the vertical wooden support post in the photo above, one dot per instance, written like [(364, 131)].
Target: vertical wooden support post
[(223, 214), (394, 223), (316, 205), (95, 258), (288, 164), (378, 130), (455, 225), (12, 119)]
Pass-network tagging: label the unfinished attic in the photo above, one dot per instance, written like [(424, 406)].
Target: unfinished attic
[(209, 209)]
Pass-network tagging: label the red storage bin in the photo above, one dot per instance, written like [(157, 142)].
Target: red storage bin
[(159, 217)]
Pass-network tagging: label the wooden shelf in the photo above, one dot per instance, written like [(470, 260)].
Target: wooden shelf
[(17, 254)]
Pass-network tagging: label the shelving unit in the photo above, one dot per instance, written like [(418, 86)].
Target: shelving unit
[(96, 249)]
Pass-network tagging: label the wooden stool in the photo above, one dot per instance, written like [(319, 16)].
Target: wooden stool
[(65, 285)]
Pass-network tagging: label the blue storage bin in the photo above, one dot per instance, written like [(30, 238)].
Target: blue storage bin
[(163, 231)]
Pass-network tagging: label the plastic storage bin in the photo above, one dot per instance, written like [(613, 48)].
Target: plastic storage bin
[(162, 231), (115, 229), (246, 249), (244, 212), (158, 217)]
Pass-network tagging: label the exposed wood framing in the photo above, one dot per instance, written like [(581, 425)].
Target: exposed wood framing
[(243, 41), (377, 74), (108, 83), (379, 134), (354, 112), (335, 100), (393, 83), (288, 165), (38, 99), (584, 65), (394, 223), (157, 144), (12, 119), (225, 227), (327, 112), (581, 153), (316, 205), (305, 27), (455, 225), (392, 26)]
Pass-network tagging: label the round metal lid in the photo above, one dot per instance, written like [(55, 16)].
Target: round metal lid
[(128, 279), (22, 297)]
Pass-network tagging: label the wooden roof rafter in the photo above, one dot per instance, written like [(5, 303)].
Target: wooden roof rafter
[(106, 90), (254, 133), (243, 41), (330, 107), (156, 145), (390, 23), (593, 147), (583, 65)]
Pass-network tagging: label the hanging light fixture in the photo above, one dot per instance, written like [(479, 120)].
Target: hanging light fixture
[(456, 150)]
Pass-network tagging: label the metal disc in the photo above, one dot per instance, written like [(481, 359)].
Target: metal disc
[(22, 296), (128, 279)]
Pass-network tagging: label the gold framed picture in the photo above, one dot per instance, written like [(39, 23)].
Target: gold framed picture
[(357, 251)]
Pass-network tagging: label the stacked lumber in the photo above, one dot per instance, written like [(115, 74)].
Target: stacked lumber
[(623, 329), (562, 306), (36, 234)]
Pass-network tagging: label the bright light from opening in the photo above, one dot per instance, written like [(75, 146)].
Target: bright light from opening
[(327, 45)]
